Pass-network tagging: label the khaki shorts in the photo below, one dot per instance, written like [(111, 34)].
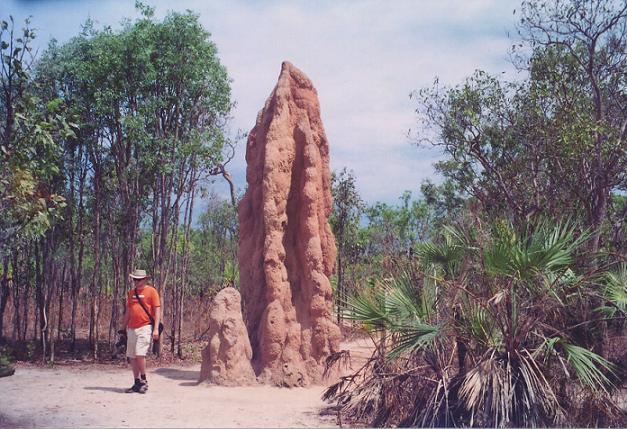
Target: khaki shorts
[(138, 341)]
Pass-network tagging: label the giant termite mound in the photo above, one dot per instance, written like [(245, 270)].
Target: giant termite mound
[(286, 247)]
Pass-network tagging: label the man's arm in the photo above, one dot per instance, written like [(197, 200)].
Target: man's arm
[(155, 330)]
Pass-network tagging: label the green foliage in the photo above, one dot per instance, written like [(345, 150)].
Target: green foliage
[(498, 301), (6, 356), (151, 100), (523, 149), (347, 206), (214, 246), (591, 369), (444, 202), (104, 142), (30, 131), (394, 308), (345, 223), (615, 293), (546, 250), (445, 255)]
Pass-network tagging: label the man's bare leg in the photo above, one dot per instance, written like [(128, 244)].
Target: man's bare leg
[(141, 366), (135, 366), (141, 369)]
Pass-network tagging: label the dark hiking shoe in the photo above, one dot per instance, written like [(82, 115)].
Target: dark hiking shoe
[(136, 388), (143, 386)]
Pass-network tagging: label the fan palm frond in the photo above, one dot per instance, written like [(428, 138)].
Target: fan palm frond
[(548, 249), (368, 307), (615, 292), (552, 247), (465, 240), (477, 324), (407, 299), (492, 330), (485, 392), (589, 366), (411, 337), (396, 306), (447, 254)]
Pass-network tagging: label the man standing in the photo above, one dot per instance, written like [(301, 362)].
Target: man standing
[(141, 320)]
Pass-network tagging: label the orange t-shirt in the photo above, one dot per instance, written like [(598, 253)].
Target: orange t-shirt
[(137, 315)]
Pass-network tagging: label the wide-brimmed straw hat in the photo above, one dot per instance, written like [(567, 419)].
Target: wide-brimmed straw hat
[(139, 274)]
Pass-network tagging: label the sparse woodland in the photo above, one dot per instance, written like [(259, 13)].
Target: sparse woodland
[(496, 295), (109, 141)]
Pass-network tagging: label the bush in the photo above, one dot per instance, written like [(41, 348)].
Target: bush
[(498, 328)]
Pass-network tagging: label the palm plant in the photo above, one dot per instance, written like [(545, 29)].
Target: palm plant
[(615, 293), (485, 337)]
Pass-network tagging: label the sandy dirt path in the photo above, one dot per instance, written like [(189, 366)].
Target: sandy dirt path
[(93, 396), (88, 397)]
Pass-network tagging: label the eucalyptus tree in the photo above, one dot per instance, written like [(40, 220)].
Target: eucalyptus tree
[(216, 243), (152, 101), (395, 230), (191, 101), (28, 147), (71, 71), (580, 65), (552, 144), (31, 129), (345, 218)]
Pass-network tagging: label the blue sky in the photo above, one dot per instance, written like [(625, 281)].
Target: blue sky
[(364, 57)]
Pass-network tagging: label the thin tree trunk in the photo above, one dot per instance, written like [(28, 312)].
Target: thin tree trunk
[(175, 285), (599, 215), (155, 232), (72, 249), (16, 298), (95, 280), (25, 303), (81, 242), (74, 310), (188, 221), (25, 314), (36, 324), (227, 176), (173, 261), (98, 313), (43, 322), (4, 292), (61, 290), (51, 281), (115, 261)]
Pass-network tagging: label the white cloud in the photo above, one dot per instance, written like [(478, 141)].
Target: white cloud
[(364, 58)]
